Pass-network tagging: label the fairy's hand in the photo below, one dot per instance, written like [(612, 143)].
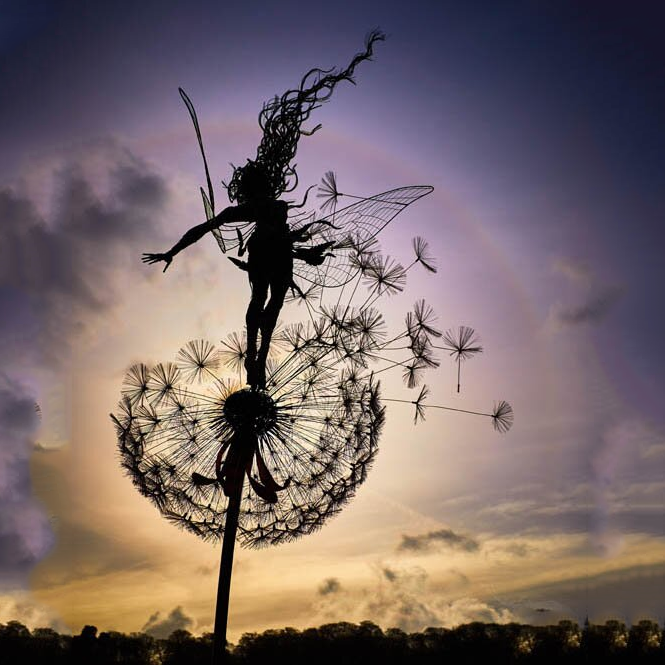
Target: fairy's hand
[(156, 258)]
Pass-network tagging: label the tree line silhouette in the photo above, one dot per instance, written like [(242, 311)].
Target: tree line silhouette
[(609, 643)]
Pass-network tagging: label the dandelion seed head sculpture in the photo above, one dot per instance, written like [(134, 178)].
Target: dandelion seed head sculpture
[(304, 444)]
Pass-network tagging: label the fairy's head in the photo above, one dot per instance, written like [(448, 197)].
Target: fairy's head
[(251, 183)]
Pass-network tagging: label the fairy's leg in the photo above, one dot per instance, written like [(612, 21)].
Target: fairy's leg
[(268, 322), (253, 320)]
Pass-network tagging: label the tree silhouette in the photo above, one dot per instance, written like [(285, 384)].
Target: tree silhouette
[(348, 643)]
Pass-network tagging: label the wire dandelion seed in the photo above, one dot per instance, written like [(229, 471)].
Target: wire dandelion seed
[(462, 344), (421, 250), (419, 404), (328, 192), (502, 417), (233, 352), (196, 359), (266, 436)]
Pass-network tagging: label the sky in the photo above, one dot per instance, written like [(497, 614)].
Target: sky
[(539, 125)]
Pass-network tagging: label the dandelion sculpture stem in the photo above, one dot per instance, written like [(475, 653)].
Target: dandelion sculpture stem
[(224, 582), (250, 415)]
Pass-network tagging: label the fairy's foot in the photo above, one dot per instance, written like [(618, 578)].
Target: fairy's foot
[(256, 377), (260, 376)]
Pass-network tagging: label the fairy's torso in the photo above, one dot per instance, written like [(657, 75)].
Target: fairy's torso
[(270, 244)]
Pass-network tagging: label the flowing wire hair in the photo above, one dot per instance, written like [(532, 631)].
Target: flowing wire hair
[(281, 121)]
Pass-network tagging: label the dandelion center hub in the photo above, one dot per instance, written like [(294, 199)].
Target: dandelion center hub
[(250, 411)]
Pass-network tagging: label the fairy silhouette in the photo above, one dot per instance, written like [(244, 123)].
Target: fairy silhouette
[(261, 224)]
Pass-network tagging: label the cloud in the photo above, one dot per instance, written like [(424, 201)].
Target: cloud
[(59, 268), (401, 598), (573, 269), (330, 585), (518, 549), (441, 538), (86, 551), (21, 607), (163, 627), (615, 449), (389, 574), (597, 299), (594, 309), (626, 593), (61, 265), (25, 533)]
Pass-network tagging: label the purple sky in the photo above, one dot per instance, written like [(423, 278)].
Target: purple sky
[(539, 126)]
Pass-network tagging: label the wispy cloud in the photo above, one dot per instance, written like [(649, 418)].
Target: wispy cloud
[(626, 593), (58, 271), (518, 549), (330, 585), (594, 309), (162, 626), (59, 268), (402, 598), (595, 300), (25, 533), (23, 607), (442, 538), (574, 269)]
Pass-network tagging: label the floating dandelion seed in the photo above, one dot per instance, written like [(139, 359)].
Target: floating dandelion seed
[(420, 406), (421, 250), (385, 276), (423, 351), (462, 344), (413, 372), (362, 254), (368, 327), (502, 417), (328, 191), (423, 320)]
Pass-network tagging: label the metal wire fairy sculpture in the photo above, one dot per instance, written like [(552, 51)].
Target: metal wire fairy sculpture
[(273, 243), (306, 430)]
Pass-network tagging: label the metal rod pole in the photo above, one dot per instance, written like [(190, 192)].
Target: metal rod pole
[(219, 653)]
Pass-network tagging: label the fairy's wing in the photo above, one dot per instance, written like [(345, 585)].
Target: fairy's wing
[(350, 230), (227, 235)]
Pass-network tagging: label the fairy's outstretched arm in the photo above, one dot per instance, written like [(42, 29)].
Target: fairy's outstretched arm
[(228, 215)]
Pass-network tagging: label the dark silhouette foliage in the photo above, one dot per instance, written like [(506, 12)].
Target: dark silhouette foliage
[(352, 644)]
